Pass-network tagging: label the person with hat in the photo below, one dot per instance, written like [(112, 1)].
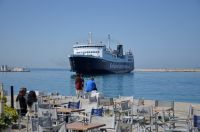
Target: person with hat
[(22, 102)]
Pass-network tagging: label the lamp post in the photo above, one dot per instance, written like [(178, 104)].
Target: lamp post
[(1, 99)]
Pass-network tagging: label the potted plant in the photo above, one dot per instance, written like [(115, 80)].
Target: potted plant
[(7, 118)]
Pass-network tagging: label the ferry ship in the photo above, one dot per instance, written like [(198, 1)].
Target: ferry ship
[(97, 58)]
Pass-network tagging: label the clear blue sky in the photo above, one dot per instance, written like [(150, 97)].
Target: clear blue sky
[(40, 33)]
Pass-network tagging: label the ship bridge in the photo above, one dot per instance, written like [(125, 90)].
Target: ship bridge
[(90, 50)]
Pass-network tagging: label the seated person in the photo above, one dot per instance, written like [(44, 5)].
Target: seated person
[(31, 99), (90, 85)]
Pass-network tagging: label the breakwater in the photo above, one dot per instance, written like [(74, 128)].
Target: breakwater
[(168, 70), (5, 68)]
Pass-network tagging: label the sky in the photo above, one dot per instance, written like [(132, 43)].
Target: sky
[(41, 33)]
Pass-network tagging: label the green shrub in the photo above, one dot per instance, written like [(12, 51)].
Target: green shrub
[(5, 121), (9, 116), (11, 112)]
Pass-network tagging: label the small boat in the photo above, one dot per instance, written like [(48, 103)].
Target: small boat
[(93, 58)]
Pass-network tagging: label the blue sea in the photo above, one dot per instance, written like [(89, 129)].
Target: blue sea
[(178, 86)]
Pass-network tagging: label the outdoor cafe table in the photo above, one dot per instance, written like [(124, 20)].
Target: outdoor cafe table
[(118, 102), (68, 111), (160, 109), (163, 109), (79, 126)]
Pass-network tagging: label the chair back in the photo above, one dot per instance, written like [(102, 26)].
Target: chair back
[(44, 106), (98, 117), (45, 121), (170, 104), (197, 121), (105, 101), (145, 111), (125, 98), (40, 100), (52, 113), (86, 95), (55, 128), (74, 105), (97, 112), (124, 127), (140, 101), (196, 117), (62, 128), (125, 106), (92, 99), (43, 112), (34, 125), (35, 106), (161, 103)]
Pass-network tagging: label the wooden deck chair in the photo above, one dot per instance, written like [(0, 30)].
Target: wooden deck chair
[(97, 116), (126, 98), (63, 127), (34, 126), (195, 112), (144, 118), (124, 127), (170, 104), (107, 104), (56, 128), (180, 124), (125, 107)]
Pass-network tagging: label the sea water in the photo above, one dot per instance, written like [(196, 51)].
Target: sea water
[(178, 86)]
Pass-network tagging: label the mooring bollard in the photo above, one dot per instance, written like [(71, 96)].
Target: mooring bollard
[(12, 96)]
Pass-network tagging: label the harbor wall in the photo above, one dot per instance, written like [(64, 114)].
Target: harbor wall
[(168, 70)]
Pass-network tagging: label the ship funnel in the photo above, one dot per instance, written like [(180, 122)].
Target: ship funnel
[(120, 50), (90, 38), (109, 41)]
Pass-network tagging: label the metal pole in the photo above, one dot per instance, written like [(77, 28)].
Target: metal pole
[(12, 96), (1, 99)]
